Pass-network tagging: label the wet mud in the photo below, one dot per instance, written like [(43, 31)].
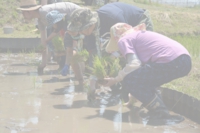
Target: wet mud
[(52, 103)]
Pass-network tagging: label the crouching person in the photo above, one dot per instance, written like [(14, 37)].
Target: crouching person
[(152, 60)]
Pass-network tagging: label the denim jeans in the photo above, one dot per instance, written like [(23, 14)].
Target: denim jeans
[(143, 82)]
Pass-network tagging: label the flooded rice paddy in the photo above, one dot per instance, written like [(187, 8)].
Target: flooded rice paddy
[(51, 104)]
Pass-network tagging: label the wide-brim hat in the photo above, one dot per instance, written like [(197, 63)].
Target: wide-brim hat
[(118, 31), (53, 17), (82, 18), (28, 5)]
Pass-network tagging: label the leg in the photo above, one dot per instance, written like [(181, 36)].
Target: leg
[(61, 61), (78, 72), (146, 79), (50, 46), (44, 61), (131, 101)]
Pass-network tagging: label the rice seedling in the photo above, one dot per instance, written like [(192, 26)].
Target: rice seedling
[(80, 56), (105, 67), (58, 44)]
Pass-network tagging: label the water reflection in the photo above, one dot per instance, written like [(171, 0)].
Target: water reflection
[(1, 68), (71, 87), (24, 122), (36, 80), (102, 110), (21, 124), (37, 105), (68, 100), (117, 121), (168, 130)]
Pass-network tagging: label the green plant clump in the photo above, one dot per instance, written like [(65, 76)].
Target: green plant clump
[(80, 56), (58, 44), (105, 67)]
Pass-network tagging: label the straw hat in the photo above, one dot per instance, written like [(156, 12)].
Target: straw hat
[(119, 30), (28, 5)]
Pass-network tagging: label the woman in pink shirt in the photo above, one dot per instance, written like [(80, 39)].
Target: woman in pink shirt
[(152, 60)]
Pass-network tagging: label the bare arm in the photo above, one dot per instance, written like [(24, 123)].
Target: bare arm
[(69, 54), (53, 34), (43, 37), (44, 52), (133, 63)]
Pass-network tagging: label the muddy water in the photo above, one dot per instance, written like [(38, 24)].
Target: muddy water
[(50, 104)]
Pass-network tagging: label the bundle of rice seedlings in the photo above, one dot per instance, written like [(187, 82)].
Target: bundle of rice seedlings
[(80, 56), (105, 67), (99, 69), (58, 44), (114, 68)]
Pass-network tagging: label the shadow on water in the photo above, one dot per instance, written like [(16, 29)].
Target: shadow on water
[(51, 72), (131, 116), (102, 100), (74, 99), (117, 116), (70, 89), (83, 103)]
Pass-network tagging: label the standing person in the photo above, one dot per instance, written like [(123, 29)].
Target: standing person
[(31, 10), (57, 22), (95, 24), (152, 60), (49, 30)]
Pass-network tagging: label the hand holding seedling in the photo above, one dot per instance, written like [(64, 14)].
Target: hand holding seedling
[(110, 81)]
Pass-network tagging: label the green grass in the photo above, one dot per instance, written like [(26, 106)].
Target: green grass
[(189, 84), (167, 19), (191, 43)]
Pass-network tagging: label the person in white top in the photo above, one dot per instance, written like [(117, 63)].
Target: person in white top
[(31, 10)]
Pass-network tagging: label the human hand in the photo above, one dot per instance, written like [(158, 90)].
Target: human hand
[(110, 81), (65, 70)]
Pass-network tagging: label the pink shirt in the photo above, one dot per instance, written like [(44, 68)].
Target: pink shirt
[(151, 47)]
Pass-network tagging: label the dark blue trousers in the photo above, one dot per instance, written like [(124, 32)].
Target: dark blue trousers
[(143, 82)]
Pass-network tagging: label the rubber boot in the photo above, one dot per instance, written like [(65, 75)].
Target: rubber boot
[(158, 114)]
